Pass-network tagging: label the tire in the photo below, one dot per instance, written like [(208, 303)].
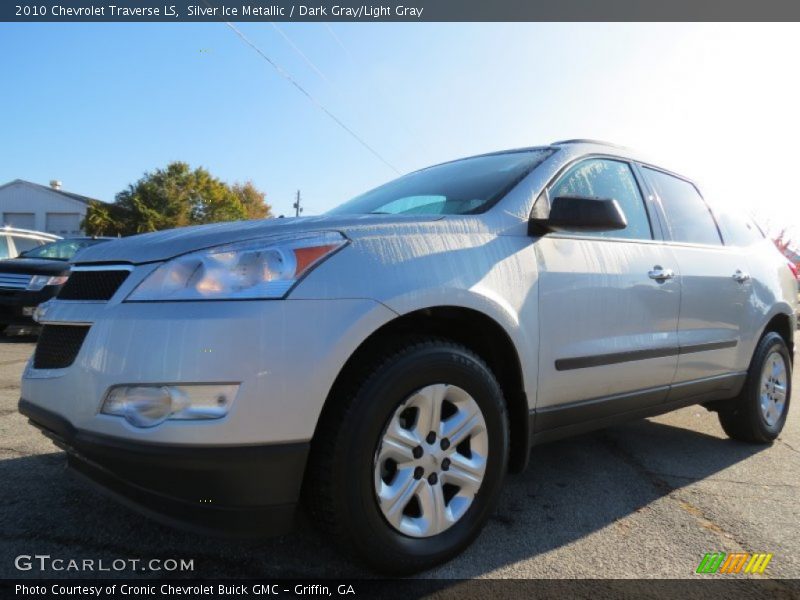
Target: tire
[(744, 418), (351, 458)]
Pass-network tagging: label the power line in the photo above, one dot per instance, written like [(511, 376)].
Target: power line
[(367, 74), (361, 66), (340, 42), (302, 54), (283, 73)]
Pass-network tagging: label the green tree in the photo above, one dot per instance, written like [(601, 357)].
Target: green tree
[(252, 200), (103, 219), (175, 196)]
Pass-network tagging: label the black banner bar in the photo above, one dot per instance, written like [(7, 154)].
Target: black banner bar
[(398, 10), (707, 587)]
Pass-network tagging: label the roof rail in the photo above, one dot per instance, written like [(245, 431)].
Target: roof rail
[(585, 141), (9, 228)]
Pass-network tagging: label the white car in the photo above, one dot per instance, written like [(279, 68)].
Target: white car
[(14, 242), (391, 360)]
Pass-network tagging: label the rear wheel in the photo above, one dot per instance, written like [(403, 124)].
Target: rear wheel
[(406, 469), (759, 413)]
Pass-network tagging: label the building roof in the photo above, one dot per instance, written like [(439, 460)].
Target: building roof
[(78, 197)]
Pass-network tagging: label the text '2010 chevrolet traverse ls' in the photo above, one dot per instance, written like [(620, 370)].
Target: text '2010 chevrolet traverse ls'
[(390, 361)]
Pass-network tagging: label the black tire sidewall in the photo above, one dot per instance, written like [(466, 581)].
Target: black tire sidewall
[(374, 538)]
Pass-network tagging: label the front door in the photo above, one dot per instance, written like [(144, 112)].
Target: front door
[(608, 306)]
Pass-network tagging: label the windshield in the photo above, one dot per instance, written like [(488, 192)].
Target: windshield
[(467, 186), (60, 250)]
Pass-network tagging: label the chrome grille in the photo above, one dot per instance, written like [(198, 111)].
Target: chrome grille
[(14, 281)]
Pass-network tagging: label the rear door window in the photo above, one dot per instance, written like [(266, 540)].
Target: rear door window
[(4, 253), (688, 217)]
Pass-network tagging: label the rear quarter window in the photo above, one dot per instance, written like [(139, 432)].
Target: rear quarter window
[(738, 230)]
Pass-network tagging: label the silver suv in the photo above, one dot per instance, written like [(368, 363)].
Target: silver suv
[(390, 361)]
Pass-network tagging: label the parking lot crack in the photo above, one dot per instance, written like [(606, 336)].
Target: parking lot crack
[(789, 446), (720, 480), (667, 490), (9, 450)]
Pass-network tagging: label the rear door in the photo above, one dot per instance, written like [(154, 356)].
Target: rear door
[(715, 283), (608, 320)]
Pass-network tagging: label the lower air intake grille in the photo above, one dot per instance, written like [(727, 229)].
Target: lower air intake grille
[(58, 346), (92, 285)]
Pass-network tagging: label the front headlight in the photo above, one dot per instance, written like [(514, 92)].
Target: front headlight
[(38, 282), (264, 268)]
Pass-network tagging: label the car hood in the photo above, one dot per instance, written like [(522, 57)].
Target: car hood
[(162, 245), (33, 266)]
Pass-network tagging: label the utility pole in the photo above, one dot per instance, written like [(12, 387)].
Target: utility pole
[(296, 206)]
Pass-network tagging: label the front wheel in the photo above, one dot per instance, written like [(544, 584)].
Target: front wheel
[(407, 468), (759, 413)]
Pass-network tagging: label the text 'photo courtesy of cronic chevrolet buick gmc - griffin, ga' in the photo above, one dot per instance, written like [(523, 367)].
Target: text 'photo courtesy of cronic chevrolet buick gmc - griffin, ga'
[(385, 365)]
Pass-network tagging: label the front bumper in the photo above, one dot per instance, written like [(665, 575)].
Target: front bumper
[(13, 302), (284, 355), (245, 491), (237, 474)]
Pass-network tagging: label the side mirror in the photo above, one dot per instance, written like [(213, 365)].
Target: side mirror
[(580, 213)]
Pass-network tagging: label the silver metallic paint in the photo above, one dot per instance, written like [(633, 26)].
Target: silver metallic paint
[(554, 297)]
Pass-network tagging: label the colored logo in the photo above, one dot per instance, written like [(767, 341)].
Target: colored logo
[(736, 562)]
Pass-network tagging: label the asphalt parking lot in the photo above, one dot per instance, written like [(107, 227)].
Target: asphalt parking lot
[(647, 499)]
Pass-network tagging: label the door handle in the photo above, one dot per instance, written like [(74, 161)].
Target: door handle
[(741, 276), (661, 274)]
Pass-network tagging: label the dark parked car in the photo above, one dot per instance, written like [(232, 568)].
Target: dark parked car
[(35, 276)]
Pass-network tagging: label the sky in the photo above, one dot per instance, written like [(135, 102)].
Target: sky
[(97, 105)]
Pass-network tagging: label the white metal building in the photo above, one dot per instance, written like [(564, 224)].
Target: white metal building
[(32, 206)]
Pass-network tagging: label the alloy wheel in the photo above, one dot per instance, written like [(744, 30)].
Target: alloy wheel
[(772, 389), (431, 460)]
